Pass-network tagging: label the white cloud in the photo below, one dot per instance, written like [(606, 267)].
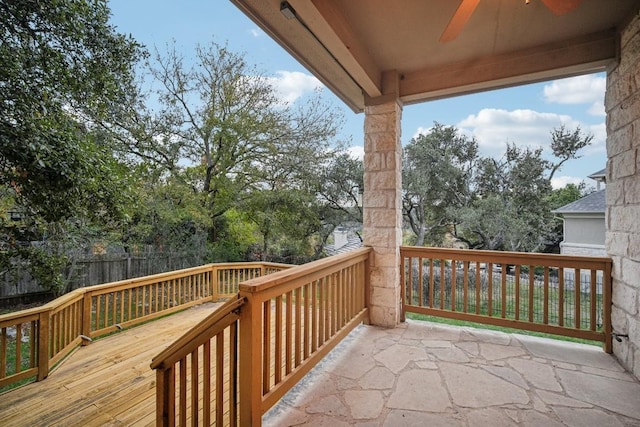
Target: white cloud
[(421, 131), (291, 85), (597, 109), (493, 128), (256, 32), (356, 152), (599, 141), (562, 181), (587, 89)]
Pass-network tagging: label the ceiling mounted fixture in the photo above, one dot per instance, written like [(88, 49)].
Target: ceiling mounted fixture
[(466, 8)]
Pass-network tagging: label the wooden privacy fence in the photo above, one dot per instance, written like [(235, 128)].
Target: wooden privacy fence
[(33, 341), (237, 363), (557, 294)]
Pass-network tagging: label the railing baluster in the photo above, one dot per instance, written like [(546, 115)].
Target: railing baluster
[(278, 340), (219, 378), (517, 296), (503, 291), (593, 299), (314, 315), (561, 296), (577, 290), (233, 373), (431, 282), (490, 290), (307, 322), (442, 283), (182, 408), (545, 315), (478, 288), (194, 387), (531, 289), (18, 353), (288, 333), (206, 383), (454, 284), (465, 284), (420, 278), (409, 296), (298, 328), (266, 348)]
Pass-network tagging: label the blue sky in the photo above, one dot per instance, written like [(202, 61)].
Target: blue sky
[(523, 115)]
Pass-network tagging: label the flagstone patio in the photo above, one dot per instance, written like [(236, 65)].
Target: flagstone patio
[(429, 374)]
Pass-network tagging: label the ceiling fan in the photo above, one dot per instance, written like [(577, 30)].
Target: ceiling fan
[(466, 8)]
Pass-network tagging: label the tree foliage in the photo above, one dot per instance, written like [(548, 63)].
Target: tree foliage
[(490, 203), (63, 70), (62, 66), (437, 176), (221, 130)]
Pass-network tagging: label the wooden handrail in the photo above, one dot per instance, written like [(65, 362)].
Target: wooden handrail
[(306, 272), (203, 331)]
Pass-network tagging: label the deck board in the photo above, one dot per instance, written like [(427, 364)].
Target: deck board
[(108, 382)]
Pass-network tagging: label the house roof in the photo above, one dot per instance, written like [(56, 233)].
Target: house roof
[(600, 175), (353, 243), (365, 49), (595, 202)]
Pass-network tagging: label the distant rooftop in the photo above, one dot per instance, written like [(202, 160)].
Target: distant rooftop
[(601, 175), (593, 203)]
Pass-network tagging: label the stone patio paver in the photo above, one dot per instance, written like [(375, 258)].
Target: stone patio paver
[(424, 373)]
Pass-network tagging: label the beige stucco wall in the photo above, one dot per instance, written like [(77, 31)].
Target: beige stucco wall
[(584, 228), (622, 104)]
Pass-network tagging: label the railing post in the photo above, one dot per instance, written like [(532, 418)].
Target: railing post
[(43, 345), (214, 283), (403, 287), (165, 392), (607, 289), (86, 317), (367, 285), (250, 369)]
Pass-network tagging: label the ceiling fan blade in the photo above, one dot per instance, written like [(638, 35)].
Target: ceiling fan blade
[(560, 7), (458, 20)]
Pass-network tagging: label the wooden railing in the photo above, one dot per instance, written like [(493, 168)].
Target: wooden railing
[(288, 321), (33, 341), (556, 294), (203, 363)]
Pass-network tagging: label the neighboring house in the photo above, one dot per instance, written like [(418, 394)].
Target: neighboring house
[(344, 240), (584, 222)]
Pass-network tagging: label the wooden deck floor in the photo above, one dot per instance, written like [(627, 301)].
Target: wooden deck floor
[(108, 382)]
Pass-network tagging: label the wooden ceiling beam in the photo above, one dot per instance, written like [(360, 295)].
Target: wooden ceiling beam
[(327, 24), (590, 53), (300, 43)]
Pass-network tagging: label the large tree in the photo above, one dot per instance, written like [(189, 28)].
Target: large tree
[(222, 117), (491, 203), (62, 67), (512, 206), (437, 176), (339, 188)]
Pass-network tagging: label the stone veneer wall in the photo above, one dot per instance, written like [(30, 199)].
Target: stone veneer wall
[(383, 209), (622, 104)]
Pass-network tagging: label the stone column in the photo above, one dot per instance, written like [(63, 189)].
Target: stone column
[(622, 104), (382, 202)]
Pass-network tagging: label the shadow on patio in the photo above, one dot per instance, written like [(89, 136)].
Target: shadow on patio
[(430, 374)]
